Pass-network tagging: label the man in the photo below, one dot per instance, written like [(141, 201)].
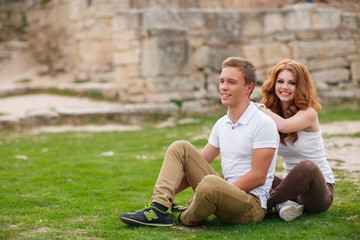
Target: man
[(247, 140)]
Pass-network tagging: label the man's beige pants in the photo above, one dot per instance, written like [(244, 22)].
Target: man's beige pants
[(213, 195)]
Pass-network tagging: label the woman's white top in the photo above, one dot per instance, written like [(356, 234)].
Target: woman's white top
[(309, 146)]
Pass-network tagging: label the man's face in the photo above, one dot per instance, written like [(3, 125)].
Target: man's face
[(232, 87)]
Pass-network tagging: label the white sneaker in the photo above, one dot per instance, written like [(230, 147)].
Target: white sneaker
[(289, 210)]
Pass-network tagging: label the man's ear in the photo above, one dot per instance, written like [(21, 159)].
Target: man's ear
[(250, 88)]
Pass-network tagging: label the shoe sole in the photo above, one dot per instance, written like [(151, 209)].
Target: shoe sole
[(137, 223), (292, 212)]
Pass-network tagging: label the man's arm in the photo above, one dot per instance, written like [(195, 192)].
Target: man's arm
[(209, 153), (260, 163)]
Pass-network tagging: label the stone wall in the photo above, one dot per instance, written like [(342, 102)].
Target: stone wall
[(155, 51), (13, 23)]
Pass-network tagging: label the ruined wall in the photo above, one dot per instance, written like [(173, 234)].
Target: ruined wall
[(174, 51), (13, 24)]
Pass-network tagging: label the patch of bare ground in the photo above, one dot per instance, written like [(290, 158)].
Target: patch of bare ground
[(342, 147), (190, 229)]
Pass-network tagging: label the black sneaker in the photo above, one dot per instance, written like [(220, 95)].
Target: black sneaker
[(176, 211), (149, 216)]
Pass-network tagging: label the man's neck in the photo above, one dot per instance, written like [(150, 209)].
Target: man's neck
[(236, 112)]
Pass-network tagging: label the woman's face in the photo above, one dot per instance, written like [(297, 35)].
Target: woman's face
[(285, 87)]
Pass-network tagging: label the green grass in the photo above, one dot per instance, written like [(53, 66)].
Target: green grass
[(340, 112), (60, 186)]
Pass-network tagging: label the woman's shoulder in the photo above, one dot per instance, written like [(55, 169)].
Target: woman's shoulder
[(309, 112), (311, 115)]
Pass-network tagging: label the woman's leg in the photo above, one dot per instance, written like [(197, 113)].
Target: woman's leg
[(276, 182), (306, 184), (181, 158)]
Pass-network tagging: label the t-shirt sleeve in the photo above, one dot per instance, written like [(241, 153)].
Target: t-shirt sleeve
[(266, 134), (214, 135)]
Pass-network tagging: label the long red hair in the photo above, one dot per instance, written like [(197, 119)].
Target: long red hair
[(305, 93)]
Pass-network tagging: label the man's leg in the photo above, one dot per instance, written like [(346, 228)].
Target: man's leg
[(216, 196), (181, 158)]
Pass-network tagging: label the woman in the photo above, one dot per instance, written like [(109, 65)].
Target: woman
[(290, 98)]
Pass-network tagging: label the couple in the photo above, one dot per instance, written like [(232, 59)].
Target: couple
[(248, 139)]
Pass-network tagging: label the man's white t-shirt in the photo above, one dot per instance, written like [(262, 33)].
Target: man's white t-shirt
[(236, 142)]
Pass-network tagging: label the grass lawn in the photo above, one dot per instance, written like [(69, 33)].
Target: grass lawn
[(63, 186)]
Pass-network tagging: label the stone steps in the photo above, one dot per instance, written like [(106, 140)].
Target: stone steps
[(93, 112)]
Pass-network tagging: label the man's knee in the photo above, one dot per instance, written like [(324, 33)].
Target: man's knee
[(207, 184), (180, 144)]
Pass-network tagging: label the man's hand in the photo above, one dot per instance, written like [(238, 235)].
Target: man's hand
[(191, 200)]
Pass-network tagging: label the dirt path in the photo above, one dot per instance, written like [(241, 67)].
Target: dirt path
[(342, 150)]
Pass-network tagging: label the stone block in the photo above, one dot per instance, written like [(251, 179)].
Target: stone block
[(224, 24), (13, 89), (325, 18), (297, 19), (253, 24), (97, 52), (317, 49), (120, 5), (202, 107), (120, 21), (102, 10), (99, 32), (75, 10), (162, 19), (336, 96), (274, 52), (122, 79), (195, 42), (193, 18), (326, 63), (166, 53), (200, 57), (273, 22), (218, 55), (39, 117), (350, 20), (355, 72), (306, 35), (329, 35), (126, 40), (285, 36), (9, 122), (126, 57), (261, 76), (198, 80), (254, 53), (331, 76), (228, 26), (169, 83), (213, 79)]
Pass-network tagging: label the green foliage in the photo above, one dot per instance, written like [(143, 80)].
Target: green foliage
[(63, 186)]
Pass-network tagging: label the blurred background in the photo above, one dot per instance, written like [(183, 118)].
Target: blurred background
[(170, 51)]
